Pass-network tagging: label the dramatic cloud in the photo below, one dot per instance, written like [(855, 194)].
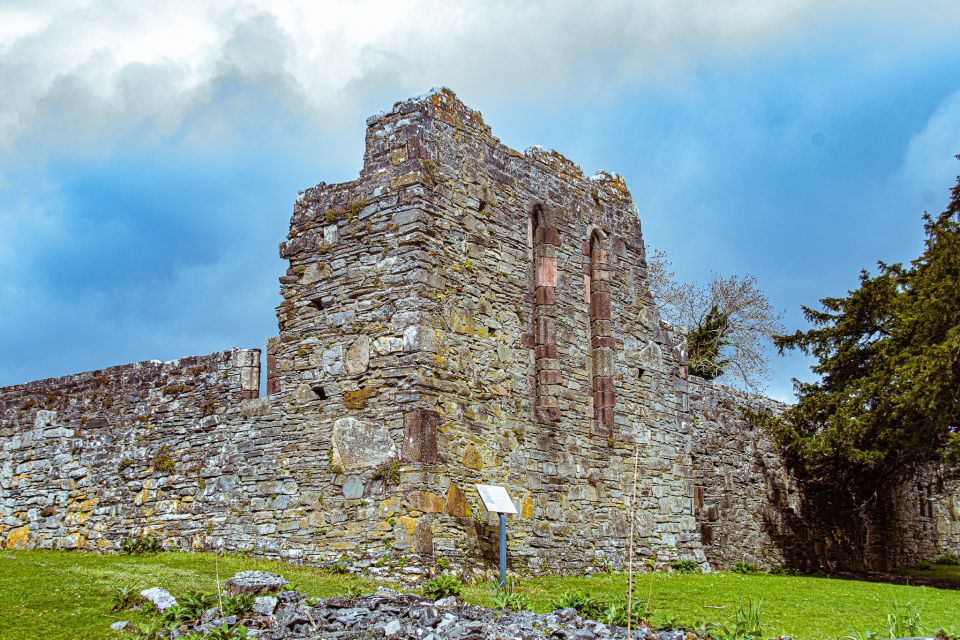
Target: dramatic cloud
[(150, 153)]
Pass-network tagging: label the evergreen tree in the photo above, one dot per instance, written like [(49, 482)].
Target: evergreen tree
[(887, 401), (705, 345)]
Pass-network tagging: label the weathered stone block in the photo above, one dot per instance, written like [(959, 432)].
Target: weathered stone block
[(361, 444), (420, 436)]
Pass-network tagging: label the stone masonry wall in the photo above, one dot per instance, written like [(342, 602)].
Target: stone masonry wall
[(743, 497), (460, 313), (512, 373), (90, 459)]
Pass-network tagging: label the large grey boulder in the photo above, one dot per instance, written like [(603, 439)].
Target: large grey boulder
[(254, 583)]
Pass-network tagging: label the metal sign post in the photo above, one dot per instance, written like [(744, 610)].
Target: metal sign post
[(496, 500)]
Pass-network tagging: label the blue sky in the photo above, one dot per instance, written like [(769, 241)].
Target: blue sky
[(150, 155)]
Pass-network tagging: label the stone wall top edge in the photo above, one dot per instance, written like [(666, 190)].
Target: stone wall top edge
[(442, 104), (118, 369), (736, 393)]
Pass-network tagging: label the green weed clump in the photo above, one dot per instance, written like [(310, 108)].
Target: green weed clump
[(508, 600), (948, 559), (124, 598), (684, 566), (747, 622), (903, 621), (585, 604), (443, 586), (140, 545), (163, 461), (744, 567)]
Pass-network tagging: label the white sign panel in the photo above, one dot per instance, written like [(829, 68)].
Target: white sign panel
[(495, 499)]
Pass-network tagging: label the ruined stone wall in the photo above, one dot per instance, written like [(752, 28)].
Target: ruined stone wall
[(90, 459), (744, 498), (750, 508), (460, 313), (512, 374)]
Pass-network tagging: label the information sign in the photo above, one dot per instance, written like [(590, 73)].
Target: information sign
[(496, 499)]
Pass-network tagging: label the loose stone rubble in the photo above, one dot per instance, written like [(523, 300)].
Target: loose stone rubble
[(255, 583), (389, 614)]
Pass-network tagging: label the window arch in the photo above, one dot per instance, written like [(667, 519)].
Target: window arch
[(601, 344), (543, 241)]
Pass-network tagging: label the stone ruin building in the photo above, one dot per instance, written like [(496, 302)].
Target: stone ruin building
[(460, 313)]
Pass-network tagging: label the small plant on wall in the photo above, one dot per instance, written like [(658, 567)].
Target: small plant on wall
[(388, 472)]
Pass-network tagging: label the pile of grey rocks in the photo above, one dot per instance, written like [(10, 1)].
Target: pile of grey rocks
[(279, 615)]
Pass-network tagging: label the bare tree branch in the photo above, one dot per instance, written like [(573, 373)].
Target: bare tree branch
[(730, 320)]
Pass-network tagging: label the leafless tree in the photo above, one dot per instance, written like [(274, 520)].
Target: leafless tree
[(728, 322)]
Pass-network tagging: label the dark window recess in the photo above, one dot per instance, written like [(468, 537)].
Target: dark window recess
[(491, 331), (482, 206), (640, 372), (317, 303), (320, 392)]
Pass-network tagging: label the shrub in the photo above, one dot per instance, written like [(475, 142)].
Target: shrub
[(685, 566), (443, 587), (949, 559), (140, 545), (744, 567)]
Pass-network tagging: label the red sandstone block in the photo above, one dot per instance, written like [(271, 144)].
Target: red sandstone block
[(603, 341), (600, 306), (546, 272), (546, 351), (546, 330), (546, 295), (547, 235), (549, 376), (527, 340), (606, 418)]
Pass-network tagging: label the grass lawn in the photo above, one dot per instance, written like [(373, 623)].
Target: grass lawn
[(52, 594), (938, 571)]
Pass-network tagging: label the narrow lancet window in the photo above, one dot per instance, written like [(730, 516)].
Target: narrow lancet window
[(597, 286), (544, 241)]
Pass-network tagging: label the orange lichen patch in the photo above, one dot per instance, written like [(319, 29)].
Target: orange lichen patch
[(17, 538), (526, 509), (408, 523), (472, 458), (388, 507), (358, 399), (457, 504), (430, 503)]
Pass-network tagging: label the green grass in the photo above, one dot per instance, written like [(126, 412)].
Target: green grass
[(938, 571), (66, 595), (799, 606)]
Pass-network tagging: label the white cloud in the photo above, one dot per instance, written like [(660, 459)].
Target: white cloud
[(929, 167), (96, 66)]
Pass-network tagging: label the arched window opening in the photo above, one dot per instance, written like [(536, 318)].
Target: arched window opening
[(543, 241), (601, 343)]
